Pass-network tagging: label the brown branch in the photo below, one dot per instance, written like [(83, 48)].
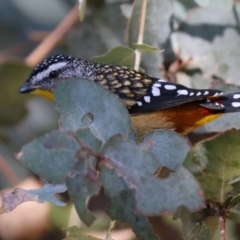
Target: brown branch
[(222, 219), (8, 172), (138, 54), (53, 38), (81, 144)]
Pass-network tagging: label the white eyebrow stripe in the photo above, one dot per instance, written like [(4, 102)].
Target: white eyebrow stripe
[(45, 73)]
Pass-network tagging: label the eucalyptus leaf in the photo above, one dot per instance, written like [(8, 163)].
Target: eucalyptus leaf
[(136, 166), (204, 37), (233, 213), (144, 48), (47, 193), (50, 156), (169, 147), (216, 161), (118, 56), (53, 155), (201, 225), (222, 4), (123, 204), (83, 103), (82, 183)]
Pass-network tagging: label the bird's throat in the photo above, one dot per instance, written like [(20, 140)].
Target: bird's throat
[(44, 93)]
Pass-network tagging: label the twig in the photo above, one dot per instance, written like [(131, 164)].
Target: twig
[(8, 172), (81, 144), (222, 220), (138, 54), (53, 38)]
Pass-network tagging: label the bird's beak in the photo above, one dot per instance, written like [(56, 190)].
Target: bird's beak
[(27, 88), (36, 90)]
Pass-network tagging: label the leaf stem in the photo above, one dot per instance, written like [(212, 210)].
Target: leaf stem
[(142, 22), (140, 34), (222, 220), (111, 226)]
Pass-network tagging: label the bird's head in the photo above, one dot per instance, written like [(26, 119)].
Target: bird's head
[(44, 76)]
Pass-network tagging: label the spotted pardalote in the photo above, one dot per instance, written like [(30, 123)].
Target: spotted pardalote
[(152, 102)]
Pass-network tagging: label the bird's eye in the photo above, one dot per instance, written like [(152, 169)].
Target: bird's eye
[(53, 74)]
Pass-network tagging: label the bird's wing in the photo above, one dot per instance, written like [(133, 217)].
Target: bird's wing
[(161, 94)]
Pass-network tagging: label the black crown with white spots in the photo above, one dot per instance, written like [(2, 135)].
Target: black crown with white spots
[(49, 61)]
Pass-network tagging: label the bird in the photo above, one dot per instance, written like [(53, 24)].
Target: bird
[(152, 103)]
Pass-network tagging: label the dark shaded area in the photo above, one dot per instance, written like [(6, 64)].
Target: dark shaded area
[(206, 31)]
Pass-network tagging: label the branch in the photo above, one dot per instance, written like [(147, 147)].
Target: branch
[(140, 34), (8, 172), (222, 220), (53, 38)]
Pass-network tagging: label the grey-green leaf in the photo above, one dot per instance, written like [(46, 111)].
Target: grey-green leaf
[(123, 204), (144, 48), (169, 147), (136, 166), (216, 161), (50, 156), (222, 4), (83, 103), (53, 155), (199, 225), (204, 37), (131, 154), (82, 182), (119, 55), (47, 193)]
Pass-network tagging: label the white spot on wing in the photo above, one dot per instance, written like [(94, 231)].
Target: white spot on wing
[(206, 93), (191, 94), (147, 99), (236, 96), (170, 87), (216, 94), (155, 91), (182, 92), (157, 85), (236, 104), (198, 93), (139, 103)]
